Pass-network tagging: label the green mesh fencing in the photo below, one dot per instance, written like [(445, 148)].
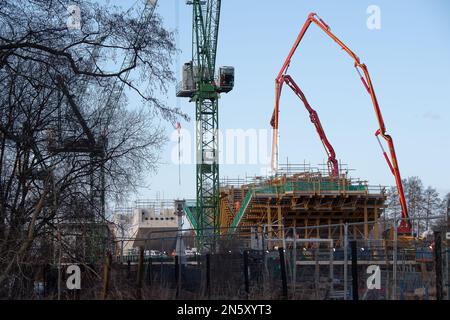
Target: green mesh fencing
[(310, 186)]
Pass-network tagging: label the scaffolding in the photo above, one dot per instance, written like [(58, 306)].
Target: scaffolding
[(301, 196)]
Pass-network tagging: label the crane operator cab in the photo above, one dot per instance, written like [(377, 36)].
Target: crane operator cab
[(188, 87), (225, 82)]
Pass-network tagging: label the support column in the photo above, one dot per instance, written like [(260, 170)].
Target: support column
[(269, 226), (376, 229), (329, 228), (280, 222), (306, 228), (317, 228), (259, 233), (294, 259), (366, 226)]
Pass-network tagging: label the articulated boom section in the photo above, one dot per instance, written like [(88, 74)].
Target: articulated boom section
[(361, 68), (333, 164)]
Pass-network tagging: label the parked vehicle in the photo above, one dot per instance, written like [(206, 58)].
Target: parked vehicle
[(190, 252), (153, 253)]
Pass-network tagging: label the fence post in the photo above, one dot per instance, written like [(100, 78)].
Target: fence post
[(177, 279), (264, 252), (354, 270), (345, 260), (246, 282), (332, 267), (283, 273), (106, 275), (438, 263), (161, 267), (294, 262), (128, 268), (447, 267), (394, 262), (149, 271), (140, 274), (208, 274)]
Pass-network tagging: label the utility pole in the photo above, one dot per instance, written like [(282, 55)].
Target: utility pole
[(180, 256), (447, 249), (438, 263), (394, 271), (345, 260), (355, 295)]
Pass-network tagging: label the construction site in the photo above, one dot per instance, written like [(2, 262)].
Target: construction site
[(308, 215), (301, 232)]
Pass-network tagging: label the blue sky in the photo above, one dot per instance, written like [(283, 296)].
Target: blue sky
[(408, 59)]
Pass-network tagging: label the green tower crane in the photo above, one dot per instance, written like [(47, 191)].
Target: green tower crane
[(200, 84)]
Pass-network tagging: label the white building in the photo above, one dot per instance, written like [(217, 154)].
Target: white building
[(151, 224)]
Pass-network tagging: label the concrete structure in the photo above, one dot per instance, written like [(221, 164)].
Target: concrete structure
[(302, 198), (150, 223)]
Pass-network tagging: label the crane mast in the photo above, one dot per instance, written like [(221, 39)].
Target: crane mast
[(199, 84), (205, 31)]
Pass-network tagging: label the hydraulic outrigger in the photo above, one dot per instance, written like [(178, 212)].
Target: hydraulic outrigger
[(283, 77)]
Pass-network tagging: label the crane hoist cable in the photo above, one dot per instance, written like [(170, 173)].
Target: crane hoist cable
[(363, 73), (178, 127)]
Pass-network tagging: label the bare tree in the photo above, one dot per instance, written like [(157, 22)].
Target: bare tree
[(413, 187), (431, 205), (423, 204), (444, 210), (393, 204), (58, 135)]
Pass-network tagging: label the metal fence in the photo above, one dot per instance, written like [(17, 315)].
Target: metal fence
[(340, 262), (266, 263)]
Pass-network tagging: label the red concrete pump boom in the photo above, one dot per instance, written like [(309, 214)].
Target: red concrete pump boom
[(333, 164), (282, 77)]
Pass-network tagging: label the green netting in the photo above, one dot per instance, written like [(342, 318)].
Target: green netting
[(188, 210), (312, 186), (270, 189), (359, 187), (242, 209)]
